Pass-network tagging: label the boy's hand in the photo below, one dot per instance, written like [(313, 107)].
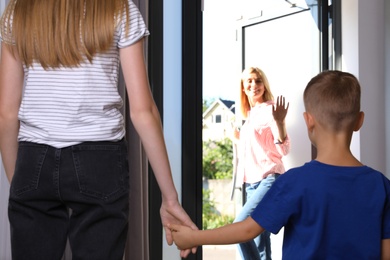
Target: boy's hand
[(279, 111), (182, 236)]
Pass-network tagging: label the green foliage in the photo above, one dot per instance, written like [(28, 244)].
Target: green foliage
[(207, 103), (217, 164), (208, 205), (218, 159), (210, 217)]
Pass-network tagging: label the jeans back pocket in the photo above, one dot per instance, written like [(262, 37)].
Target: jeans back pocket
[(102, 169)]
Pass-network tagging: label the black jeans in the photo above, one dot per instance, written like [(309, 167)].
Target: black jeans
[(90, 180)]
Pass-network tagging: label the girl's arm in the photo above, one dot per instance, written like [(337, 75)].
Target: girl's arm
[(234, 233), (386, 249), (11, 87), (146, 120)]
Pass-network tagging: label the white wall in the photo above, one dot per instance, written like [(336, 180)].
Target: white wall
[(387, 85), (5, 244), (363, 48), (2, 5)]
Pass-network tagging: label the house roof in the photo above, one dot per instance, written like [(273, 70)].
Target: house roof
[(230, 105), (227, 104)]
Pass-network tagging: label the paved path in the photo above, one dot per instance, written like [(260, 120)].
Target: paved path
[(228, 252)]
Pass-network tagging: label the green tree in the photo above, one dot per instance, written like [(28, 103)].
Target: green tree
[(210, 217), (218, 159), (207, 103)]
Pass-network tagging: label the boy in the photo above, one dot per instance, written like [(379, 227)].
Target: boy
[(332, 207)]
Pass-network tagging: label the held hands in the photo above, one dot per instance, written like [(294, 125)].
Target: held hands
[(182, 236), (279, 110), (172, 214)]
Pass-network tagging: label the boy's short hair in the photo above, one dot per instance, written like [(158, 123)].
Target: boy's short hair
[(333, 98)]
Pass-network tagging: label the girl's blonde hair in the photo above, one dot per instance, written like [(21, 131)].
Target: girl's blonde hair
[(61, 32), (245, 105)]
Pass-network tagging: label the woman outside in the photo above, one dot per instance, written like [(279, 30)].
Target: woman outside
[(61, 130), (262, 142)]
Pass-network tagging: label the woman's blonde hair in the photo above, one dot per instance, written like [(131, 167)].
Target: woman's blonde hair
[(245, 105), (61, 32)]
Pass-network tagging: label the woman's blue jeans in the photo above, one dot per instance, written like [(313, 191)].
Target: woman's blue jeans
[(260, 247), (90, 180)]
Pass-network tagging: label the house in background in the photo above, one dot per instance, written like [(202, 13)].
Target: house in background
[(218, 120)]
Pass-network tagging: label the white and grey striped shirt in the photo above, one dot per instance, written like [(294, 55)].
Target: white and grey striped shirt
[(67, 106)]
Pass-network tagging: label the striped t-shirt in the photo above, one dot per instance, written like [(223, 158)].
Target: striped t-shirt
[(66, 106)]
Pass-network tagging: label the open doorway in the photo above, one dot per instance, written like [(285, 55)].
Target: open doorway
[(284, 39)]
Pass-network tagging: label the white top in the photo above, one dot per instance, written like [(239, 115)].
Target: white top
[(67, 106)]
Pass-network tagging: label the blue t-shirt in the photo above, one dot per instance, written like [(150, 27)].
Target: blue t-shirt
[(328, 212)]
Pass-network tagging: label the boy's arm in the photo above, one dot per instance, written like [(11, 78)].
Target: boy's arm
[(186, 238), (386, 249)]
